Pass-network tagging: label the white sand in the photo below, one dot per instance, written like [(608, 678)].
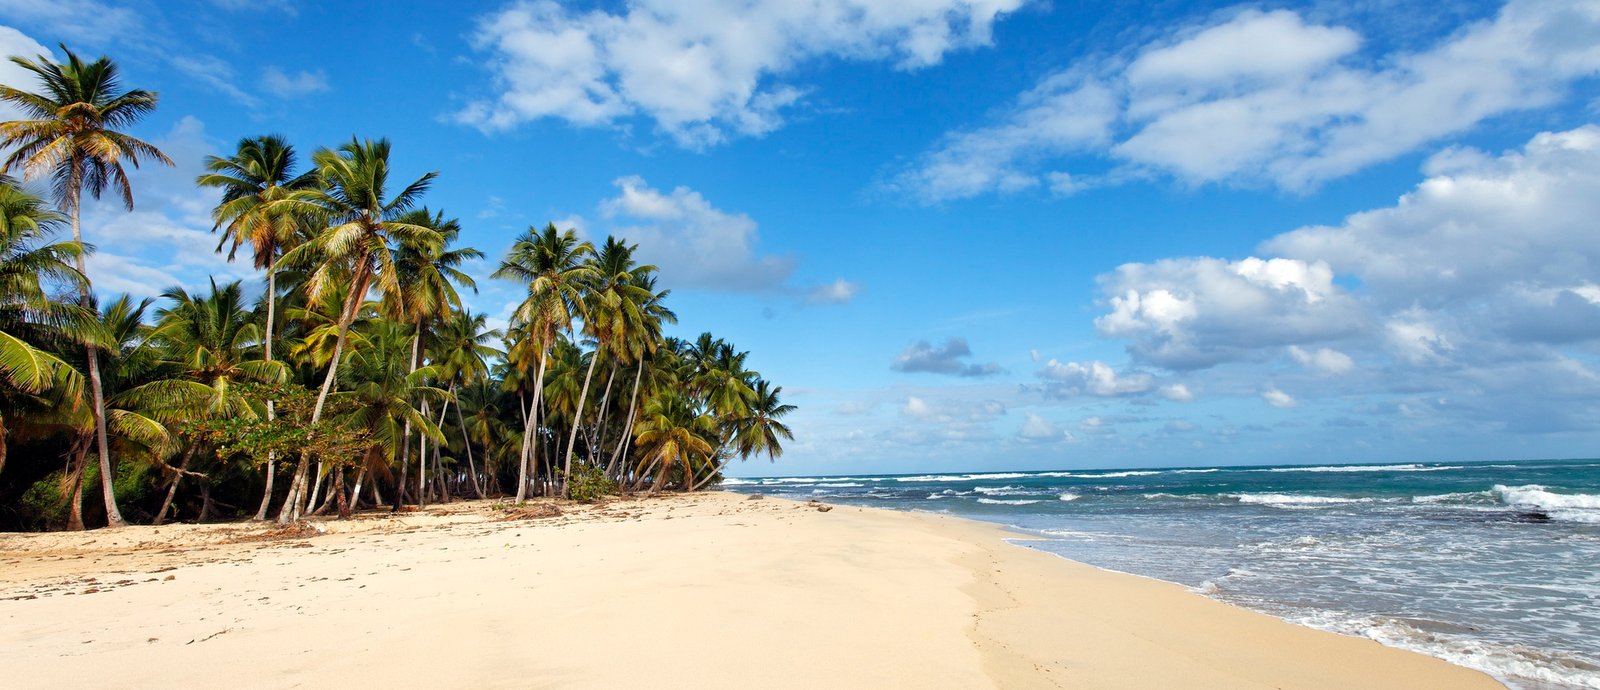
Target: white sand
[(704, 591)]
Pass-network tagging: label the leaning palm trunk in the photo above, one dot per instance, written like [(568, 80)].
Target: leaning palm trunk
[(422, 463), (627, 429), (598, 437), (107, 485), (272, 456), (577, 416), (172, 486), (292, 505), (530, 431), (466, 440)]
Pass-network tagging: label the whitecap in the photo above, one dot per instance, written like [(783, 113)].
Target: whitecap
[(1364, 468), (1069, 496), (1294, 500), (996, 490), (1004, 502)]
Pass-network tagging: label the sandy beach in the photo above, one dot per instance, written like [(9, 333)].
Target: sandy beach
[(709, 590)]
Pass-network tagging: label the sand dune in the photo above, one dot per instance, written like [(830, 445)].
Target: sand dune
[(701, 591)]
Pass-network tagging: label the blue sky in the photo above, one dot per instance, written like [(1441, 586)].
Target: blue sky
[(976, 234)]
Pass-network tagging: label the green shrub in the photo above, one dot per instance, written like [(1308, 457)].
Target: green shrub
[(588, 484)]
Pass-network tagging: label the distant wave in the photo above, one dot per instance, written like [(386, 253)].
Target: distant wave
[(1005, 502), (1069, 496), (1290, 500), (1213, 469), (1362, 468), (842, 485), (993, 490), (1463, 497), (1162, 495), (1100, 475), (960, 477), (1571, 507)]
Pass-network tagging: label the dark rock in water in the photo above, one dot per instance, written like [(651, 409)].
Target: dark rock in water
[(1531, 516), (755, 497)]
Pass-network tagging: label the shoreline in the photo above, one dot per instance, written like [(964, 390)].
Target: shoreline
[(698, 590)]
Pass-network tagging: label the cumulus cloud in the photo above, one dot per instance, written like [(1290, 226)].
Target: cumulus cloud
[(695, 244), (949, 358), (14, 42), (1177, 392), (1264, 98), (1473, 296), (1325, 360), (839, 291), (302, 83), (1278, 399), (702, 72), (1093, 378), (1036, 428), (1192, 313)]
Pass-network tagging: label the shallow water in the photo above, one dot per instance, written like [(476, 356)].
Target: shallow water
[(1495, 566)]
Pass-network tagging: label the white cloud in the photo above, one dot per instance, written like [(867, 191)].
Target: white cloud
[(1278, 399), (701, 71), (16, 43), (915, 407), (1266, 97), (1038, 428), (1195, 312), (302, 83), (695, 244), (1325, 360), (839, 291), (1177, 392), (1093, 378)]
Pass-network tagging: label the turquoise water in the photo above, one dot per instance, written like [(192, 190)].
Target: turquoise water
[(1495, 566)]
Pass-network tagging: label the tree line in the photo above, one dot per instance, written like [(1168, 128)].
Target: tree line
[(358, 378)]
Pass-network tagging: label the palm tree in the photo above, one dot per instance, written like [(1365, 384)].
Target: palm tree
[(462, 357), (73, 136), (640, 342), (27, 313), (353, 249), (551, 263), (212, 342), (615, 306), (431, 273), (260, 172), (671, 433), (382, 401)]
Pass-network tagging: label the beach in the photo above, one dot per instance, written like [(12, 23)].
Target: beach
[(704, 590)]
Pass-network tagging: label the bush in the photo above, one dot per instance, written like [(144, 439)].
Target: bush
[(588, 484)]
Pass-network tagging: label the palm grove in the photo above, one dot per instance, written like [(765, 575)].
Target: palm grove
[(357, 378)]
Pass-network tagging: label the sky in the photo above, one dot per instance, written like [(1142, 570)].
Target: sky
[(972, 234)]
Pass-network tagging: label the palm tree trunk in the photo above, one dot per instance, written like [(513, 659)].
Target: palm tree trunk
[(438, 460), (107, 478), (405, 436), (477, 488), (577, 416), (272, 456), (530, 429), (358, 289), (597, 439), (172, 486), (72, 488), (422, 463), (627, 428)]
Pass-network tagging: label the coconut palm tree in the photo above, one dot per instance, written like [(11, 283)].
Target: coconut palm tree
[(431, 271), (462, 357), (261, 171), (353, 249), (673, 432), (383, 400), (29, 262), (615, 303), (73, 136), (552, 264), (211, 342)]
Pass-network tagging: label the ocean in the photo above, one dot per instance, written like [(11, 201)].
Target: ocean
[(1492, 565)]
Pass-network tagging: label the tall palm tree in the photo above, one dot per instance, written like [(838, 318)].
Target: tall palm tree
[(551, 263), (615, 307), (354, 248), (462, 357), (73, 136), (29, 262), (259, 173), (383, 400), (431, 271)]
